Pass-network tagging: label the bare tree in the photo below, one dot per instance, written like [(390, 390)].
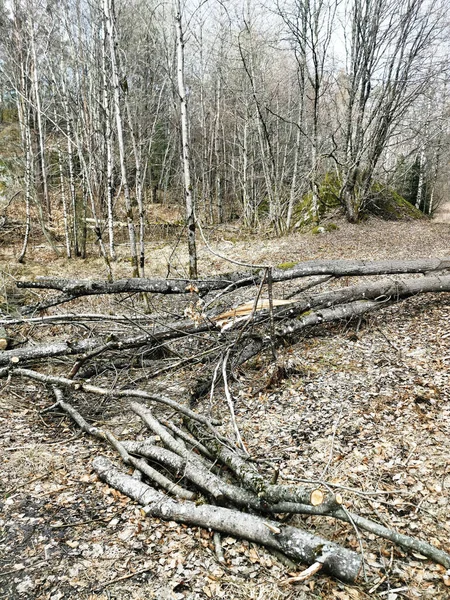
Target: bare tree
[(390, 64), (185, 149)]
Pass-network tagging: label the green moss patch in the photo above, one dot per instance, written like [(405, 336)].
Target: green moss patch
[(286, 265), (386, 203), (327, 198)]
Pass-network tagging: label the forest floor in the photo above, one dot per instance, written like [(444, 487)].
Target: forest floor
[(368, 410)]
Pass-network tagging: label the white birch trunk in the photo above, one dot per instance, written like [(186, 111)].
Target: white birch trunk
[(419, 194), (110, 27), (63, 194), (72, 188), (23, 112), (37, 100), (185, 152)]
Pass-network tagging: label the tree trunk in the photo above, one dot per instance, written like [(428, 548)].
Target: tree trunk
[(185, 150)]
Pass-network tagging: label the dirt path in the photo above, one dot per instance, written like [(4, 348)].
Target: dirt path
[(443, 213)]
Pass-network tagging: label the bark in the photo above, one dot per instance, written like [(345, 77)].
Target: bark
[(109, 13), (192, 469), (295, 543), (40, 124), (108, 145), (24, 118), (62, 188)]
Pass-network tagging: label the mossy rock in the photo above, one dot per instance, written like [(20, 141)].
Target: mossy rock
[(386, 203), (328, 198)]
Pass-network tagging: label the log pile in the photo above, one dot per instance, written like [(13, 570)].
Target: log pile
[(188, 468)]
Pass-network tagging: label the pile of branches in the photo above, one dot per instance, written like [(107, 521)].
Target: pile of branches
[(187, 469)]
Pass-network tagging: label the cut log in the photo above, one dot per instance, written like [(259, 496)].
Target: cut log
[(295, 543), (252, 480), (4, 339)]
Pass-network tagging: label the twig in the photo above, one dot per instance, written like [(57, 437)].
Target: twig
[(213, 382), (123, 578), (78, 523), (231, 404), (218, 547), (306, 574)]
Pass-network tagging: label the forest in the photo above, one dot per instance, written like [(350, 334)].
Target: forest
[(224, 299), (228, 110)]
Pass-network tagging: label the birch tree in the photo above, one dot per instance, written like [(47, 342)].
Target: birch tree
[(108, 7), (185, 147)]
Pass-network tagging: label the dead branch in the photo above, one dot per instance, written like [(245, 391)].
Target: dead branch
[(405, 541), (75, 288), (295, 543), (104, 434), (257, 494), (91, 345), (247, 473), (112, 393), (388, 290)]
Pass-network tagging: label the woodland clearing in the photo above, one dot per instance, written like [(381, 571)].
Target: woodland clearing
[(368, 409)]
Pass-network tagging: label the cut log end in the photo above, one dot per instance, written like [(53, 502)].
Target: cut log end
[(317, 497)]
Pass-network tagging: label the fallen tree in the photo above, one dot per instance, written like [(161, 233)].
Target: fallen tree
[(72, 289), (351, 301), (196, 460), (188, 454)]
